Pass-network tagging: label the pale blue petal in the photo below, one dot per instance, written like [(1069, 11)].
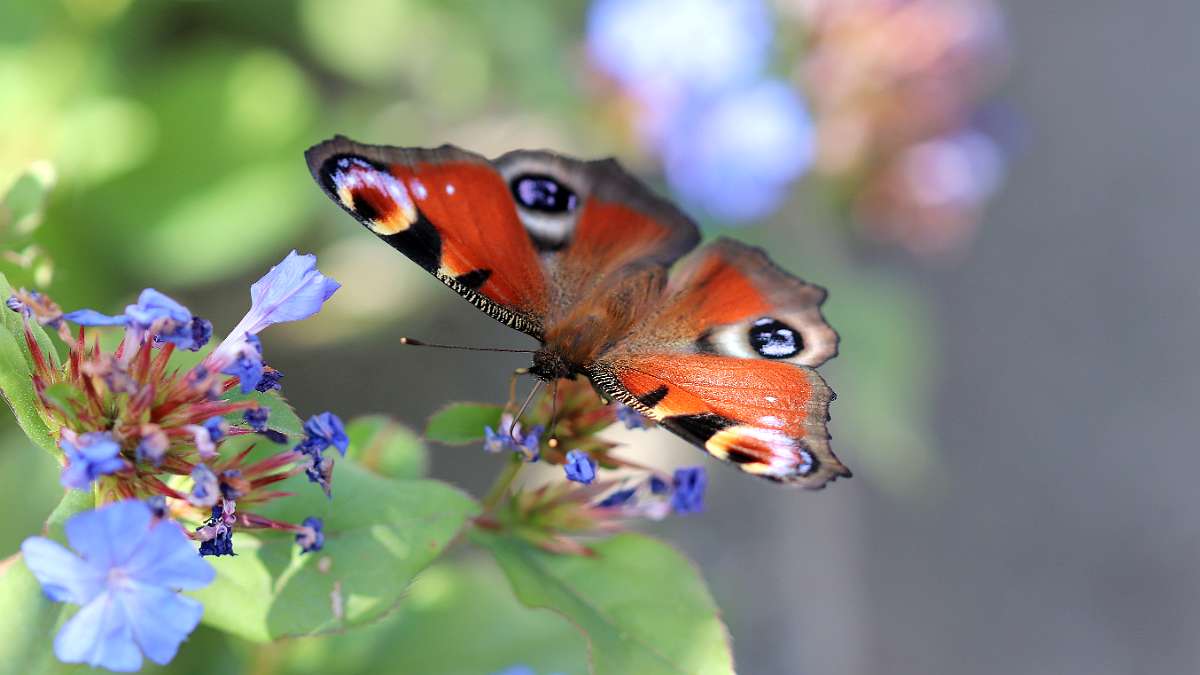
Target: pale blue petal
[(152, 306), (64, 576), (100, 636), (106, 537), (90, 317), (168, 558), (292, 290), (160, 619)]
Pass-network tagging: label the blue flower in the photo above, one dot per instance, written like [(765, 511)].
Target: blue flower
[(89, 456), (216, 427), (292, 290), (154, 313), (580, 467), (508, 436), (206, 488), (689, 487), (632, 418), (618, 498), (157, 505), (217, 534), (735, 154), (496, 441), (125, 575), (658, 486), (257, 417), (320, 467), (650, 46), (153, 444), (90, 317), (246, 363), (201, 333), (270, 380), (325, 430), (530, 445), (14, 303), (311, 538)]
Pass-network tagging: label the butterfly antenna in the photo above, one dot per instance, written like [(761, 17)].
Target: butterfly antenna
[(419, 343), (553, 440), (512, 430)]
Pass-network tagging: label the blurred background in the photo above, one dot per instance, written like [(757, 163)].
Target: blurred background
[(996, 196)]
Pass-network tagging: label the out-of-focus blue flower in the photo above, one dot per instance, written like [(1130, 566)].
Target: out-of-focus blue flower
[(157, 505), (89, 456), (618, 498), (153, 444), (246, 363), (631, 418), (324, 430), (216, 427), (675, 47), (530, 445), (312, 537), (735, 154), (580, 467), (508, 436), (257, 417), (125, 575), (205, 486), (270, 380), (658, 486), (689, 487)]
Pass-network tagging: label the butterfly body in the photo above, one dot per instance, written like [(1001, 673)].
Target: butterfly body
[(720, 348)]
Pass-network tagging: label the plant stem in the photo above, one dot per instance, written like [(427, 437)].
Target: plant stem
[(503, 482)]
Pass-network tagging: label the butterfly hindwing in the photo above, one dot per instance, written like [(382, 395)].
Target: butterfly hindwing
[(768, 418), (727, 362)]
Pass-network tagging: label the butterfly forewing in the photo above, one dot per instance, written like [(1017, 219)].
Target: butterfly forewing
[(450, 212)]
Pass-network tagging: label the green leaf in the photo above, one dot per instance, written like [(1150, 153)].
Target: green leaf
[(386, 447), (378, 534), (641, 604), (462, 423), (458, 618), (73, 502), (28, 618), (16, 369)]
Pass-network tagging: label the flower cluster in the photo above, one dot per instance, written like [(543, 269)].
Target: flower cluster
[(586, 502), (892, 112), (730, 138), (898, 90), (151, 438)]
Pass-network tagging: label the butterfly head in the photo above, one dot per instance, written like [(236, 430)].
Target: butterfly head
[(549, 365)]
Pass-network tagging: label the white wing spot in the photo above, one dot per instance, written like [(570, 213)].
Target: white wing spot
[(418, 189)]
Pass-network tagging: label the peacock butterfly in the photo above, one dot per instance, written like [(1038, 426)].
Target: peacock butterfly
[(722, 350)]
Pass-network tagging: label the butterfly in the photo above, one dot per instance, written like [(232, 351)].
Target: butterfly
[(720, 349)]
